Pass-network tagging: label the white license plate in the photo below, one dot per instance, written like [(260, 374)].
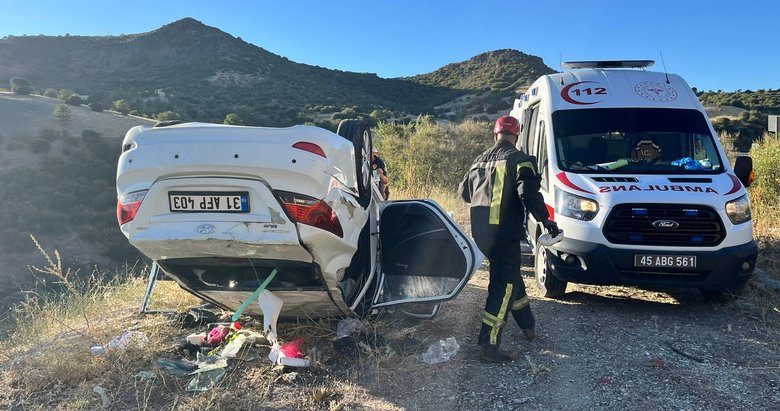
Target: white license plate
[(208, 202), (666, 261)]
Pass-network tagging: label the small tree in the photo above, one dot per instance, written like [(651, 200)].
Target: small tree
[(233, 119), (51, 92), (167, 116), (21, 86), (121, 106), (65, 93), (96, 107), (62, 112), (74, 100)]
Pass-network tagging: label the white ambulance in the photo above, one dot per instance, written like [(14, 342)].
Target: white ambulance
[(633, 172)]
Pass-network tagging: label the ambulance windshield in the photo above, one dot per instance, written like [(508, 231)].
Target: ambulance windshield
[(635, 140)]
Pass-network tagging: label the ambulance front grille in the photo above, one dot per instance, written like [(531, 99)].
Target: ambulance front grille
[(664, 225)]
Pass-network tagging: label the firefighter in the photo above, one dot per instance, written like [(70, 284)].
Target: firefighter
[(500, 185)]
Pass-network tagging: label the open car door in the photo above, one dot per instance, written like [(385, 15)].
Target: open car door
[(425, 256)]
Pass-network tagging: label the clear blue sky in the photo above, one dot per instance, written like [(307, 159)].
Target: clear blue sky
[(725, 45)]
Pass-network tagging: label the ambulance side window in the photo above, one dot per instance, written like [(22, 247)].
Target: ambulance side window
[(542, 163), (531, 129)]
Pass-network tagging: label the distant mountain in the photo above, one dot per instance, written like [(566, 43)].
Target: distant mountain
[(495, 70), (203, 73)]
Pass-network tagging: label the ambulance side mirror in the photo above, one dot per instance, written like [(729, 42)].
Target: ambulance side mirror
[(743, 168)]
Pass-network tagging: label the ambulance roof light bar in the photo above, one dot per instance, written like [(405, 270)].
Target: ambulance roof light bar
[(604, 64)]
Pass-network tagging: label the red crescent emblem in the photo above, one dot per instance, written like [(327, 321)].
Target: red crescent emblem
[(565, 94), (736, 184), (565, 180)]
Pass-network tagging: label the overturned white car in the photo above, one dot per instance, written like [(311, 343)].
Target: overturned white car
[(220, 208)]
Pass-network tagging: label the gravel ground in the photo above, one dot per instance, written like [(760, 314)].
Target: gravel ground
[(598, 348)]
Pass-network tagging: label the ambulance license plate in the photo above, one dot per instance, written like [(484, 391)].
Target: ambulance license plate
[(208, 202), (665, 261)]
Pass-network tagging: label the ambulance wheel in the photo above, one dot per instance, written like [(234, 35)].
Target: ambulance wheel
[(547, 283), (359, 133)]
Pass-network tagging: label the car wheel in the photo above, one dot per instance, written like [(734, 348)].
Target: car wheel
[(547, 283), (359, 133)]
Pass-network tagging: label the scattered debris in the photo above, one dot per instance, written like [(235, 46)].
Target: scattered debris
[(236, 341), (349, 326), (320, 394), (289, 354), (441, 351), (196, 339), (103, 396), (135, 339), (683, 353), (217, 334), (203, 315), (205, 379), (604, 381), (175, 367), (289, 377), (537, 368), (271, 305), (145, 375)]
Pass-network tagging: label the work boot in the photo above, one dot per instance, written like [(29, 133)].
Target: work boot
[(493, 354), (529, 333)]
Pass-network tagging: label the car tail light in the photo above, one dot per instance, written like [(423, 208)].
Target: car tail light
[(127, 206), (310, 211), (310, 147)]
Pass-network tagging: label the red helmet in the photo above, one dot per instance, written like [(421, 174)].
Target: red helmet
[(507, 123)]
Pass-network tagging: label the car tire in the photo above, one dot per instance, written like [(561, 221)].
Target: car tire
[(359, 133), (548, 284)]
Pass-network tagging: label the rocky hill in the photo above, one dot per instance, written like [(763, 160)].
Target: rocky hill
[(498, 70), (202, 73)]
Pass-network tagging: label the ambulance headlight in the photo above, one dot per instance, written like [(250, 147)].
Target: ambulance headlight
[(570, 205), (739, 210)]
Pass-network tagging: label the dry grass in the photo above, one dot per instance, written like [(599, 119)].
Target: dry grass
[(47, 360)]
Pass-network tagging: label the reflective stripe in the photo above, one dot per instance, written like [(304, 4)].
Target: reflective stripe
[(498, 191), (491, 319), (526, 164), (520, 303), (501, 315)]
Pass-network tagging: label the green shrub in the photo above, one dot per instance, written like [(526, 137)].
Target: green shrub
[(21, 86), (65, 93), (766, 157), (96, 107), (424, 153), (62, 112), (167, 116), (233, 119), (74, 100), (121, 106), (51, 92)]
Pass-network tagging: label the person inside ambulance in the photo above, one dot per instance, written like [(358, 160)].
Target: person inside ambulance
[(699, 152), (501, 183)]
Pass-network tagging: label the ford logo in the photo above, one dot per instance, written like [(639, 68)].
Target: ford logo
[(205, 229), (665, 224)]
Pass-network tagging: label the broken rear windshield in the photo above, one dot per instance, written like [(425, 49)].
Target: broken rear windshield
[(635, 140)]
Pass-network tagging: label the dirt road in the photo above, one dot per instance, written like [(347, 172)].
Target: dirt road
[(599, 348)]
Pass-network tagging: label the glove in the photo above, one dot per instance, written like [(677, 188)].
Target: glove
[(551, 227)]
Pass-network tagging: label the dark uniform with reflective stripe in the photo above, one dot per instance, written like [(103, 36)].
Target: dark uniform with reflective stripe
[(499, 184)]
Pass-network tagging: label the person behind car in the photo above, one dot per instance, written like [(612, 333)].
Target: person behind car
[(501, 183), (379, 168)]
